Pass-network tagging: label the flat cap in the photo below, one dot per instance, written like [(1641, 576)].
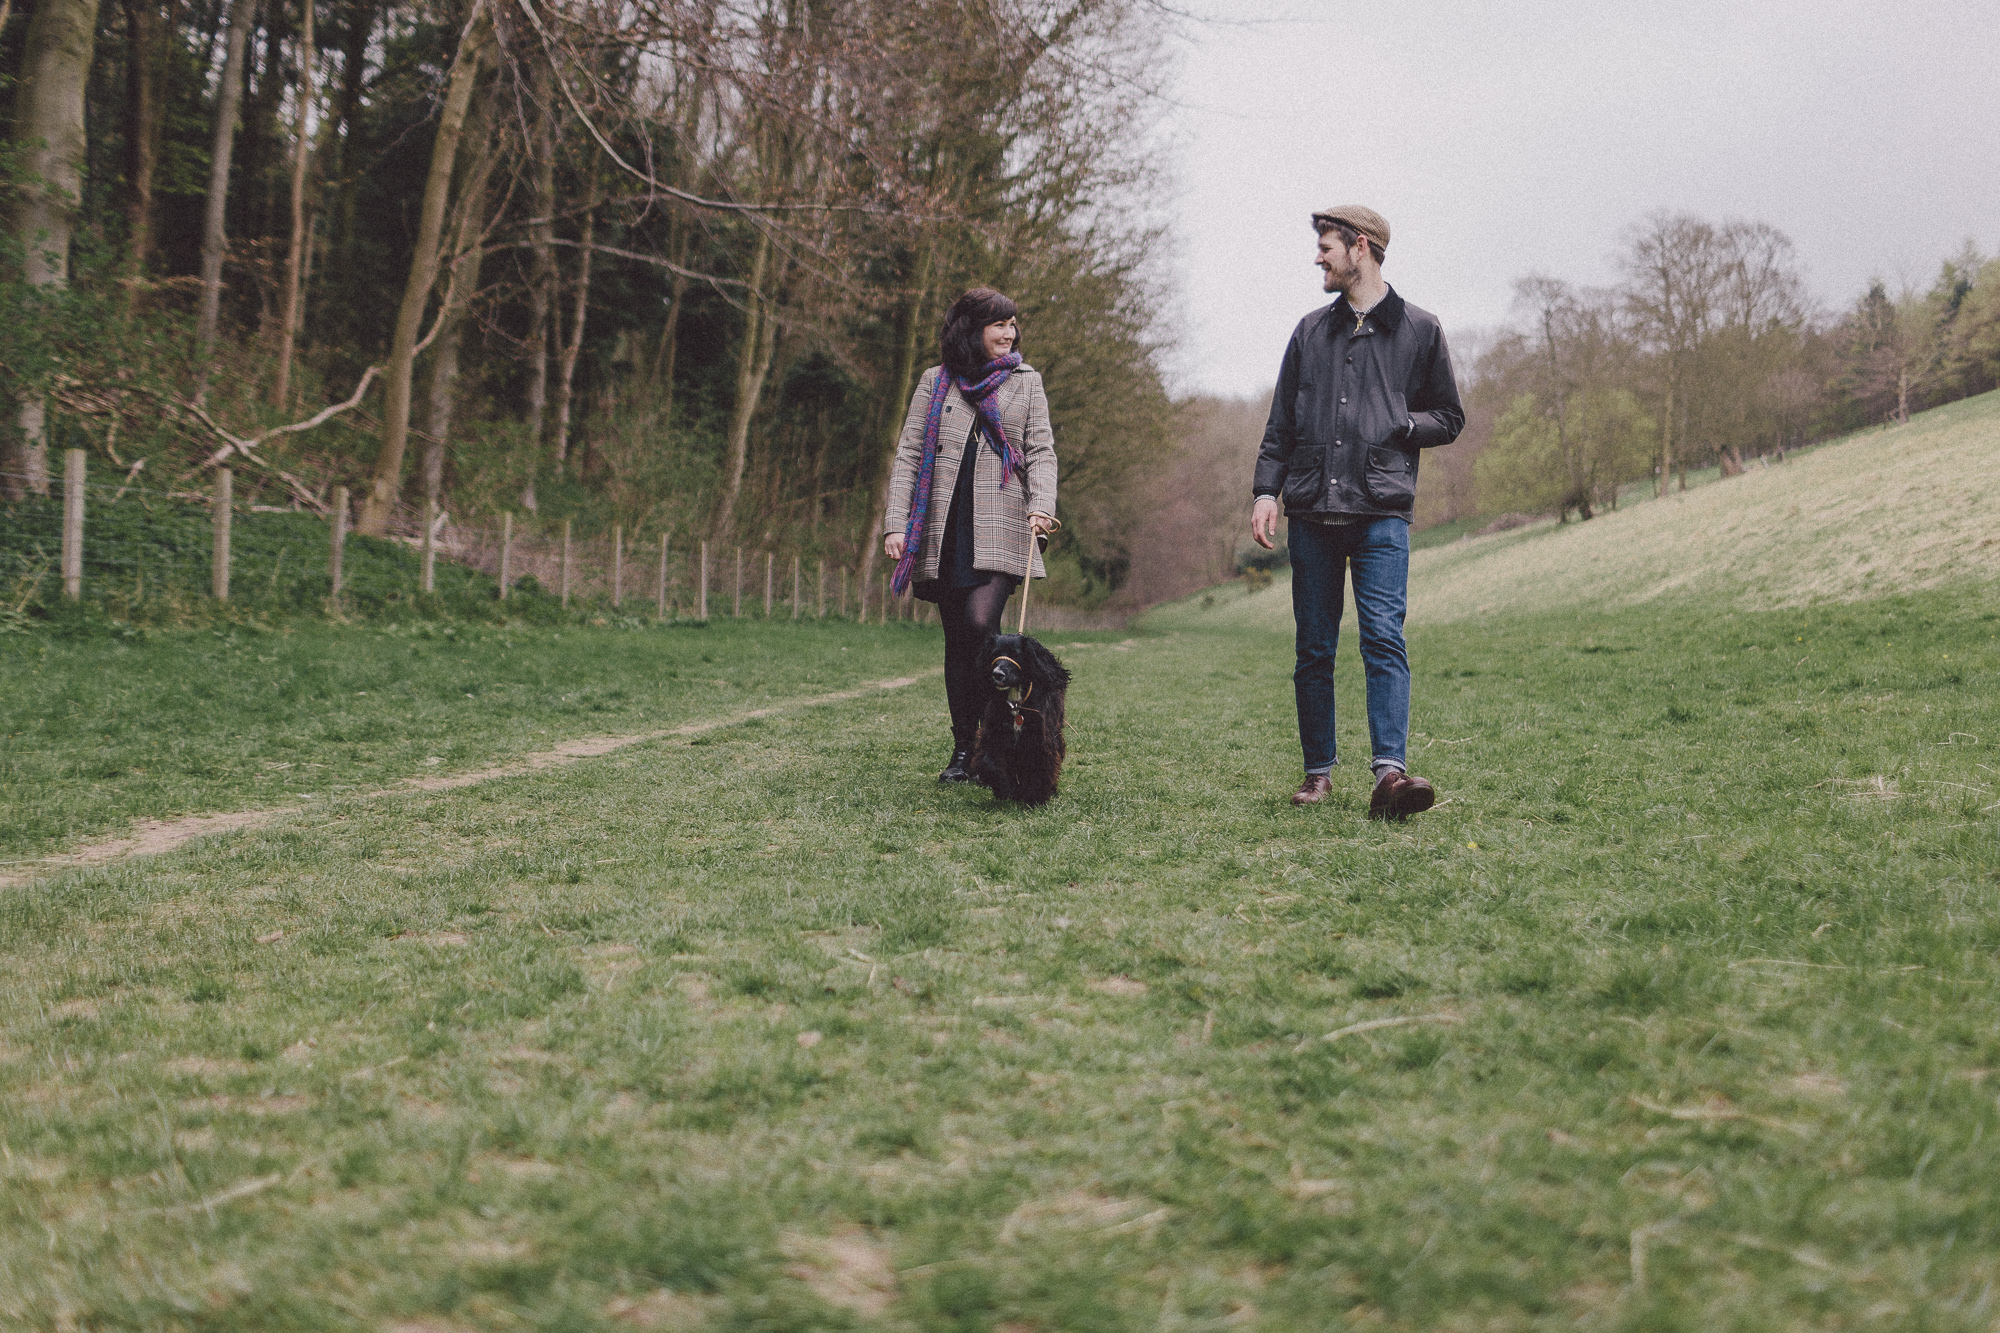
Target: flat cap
[(1363, 219)]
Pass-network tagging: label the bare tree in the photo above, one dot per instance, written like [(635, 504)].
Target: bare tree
[(1673, 267), (49, 134), (475, 47), (214, 238), (295, 252)]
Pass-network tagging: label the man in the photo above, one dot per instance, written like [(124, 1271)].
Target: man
[(1366, 382)]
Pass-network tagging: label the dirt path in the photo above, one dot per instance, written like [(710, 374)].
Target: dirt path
[(149, 837)]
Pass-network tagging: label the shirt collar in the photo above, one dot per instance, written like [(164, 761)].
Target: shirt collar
[(1388, 312)]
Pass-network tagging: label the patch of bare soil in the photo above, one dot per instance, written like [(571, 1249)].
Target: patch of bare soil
[(152, 836), (850, 1269)]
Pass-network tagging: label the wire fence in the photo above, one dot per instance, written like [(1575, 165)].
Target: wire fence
[(147, 546)]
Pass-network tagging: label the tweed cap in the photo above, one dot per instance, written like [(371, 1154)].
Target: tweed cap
[(1363, 219)]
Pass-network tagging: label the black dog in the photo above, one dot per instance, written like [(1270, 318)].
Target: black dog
[(1019, 752)]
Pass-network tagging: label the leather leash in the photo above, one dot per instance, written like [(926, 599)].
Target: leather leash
[(1027, 582)]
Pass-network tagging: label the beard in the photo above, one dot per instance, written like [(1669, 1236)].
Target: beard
[(1340, 279)]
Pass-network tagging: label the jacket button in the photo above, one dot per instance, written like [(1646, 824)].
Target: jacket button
[(1343, 400)]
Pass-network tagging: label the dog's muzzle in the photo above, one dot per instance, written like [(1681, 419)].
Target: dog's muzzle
[(1006, 673)]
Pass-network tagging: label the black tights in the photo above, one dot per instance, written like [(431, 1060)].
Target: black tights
[(969, 615)]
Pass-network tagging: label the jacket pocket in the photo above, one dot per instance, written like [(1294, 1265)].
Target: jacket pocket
[(1305, 478), (1390, 477)]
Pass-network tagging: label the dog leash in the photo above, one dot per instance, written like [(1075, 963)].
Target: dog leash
[(1027, 582)]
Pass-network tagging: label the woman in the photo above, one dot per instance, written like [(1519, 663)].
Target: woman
[(965, 535)]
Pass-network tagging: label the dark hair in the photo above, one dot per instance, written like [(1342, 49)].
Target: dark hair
[(961, 338), (1348, 236)]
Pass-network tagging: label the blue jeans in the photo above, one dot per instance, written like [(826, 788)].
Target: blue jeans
[(1378, 553)]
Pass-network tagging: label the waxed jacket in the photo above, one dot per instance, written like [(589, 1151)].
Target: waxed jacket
[(1355, 402)]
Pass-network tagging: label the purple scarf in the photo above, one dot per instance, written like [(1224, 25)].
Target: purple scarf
[(981, 396)]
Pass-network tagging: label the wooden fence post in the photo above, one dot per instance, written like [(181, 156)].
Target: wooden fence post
[(72, 532), (661, 611), (769, 561), (428, 580), (821, 614), (565, 563), (885, 598), (737, 611), (506, 549), (219, 519), (338, 556), (795, 587), (617, 565), (702, 609)]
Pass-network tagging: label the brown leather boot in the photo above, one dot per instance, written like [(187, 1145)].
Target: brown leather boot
[(1398, 795), (1313, 790)]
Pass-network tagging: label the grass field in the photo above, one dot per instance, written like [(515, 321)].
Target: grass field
[(1679, 1011), (96, 731), (1892, 510)]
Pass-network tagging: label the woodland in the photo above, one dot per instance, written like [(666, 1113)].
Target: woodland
[(670, 269), (671, 266)]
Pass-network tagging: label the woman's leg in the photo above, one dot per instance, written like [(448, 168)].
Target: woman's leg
[(961, 645), (969, 616)]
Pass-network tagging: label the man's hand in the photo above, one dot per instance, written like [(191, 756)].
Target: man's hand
[(1264, 521), (892, 546)]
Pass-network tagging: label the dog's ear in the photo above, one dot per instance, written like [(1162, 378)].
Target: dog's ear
[(1043, 665), (991, 648)]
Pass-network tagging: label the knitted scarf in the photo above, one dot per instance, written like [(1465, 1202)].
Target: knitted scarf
[(981, 395)]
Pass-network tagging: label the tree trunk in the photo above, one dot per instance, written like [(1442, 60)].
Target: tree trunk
[(295, 254), (345, 126), (466, 252), (905, 384), (50, 143), (1661, 482), (663, 363), (213, 238), (753, 363), (143, 122), (542, 272), (566, 378), (473, 48)]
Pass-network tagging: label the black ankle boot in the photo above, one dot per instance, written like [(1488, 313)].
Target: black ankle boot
[(959, 769)]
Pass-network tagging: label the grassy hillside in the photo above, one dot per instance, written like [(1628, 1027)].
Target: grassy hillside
[(1890, 510)]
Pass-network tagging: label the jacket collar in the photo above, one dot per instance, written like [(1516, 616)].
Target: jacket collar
[(1388, 312)]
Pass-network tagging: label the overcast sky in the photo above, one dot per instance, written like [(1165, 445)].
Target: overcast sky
[(1500, 139)]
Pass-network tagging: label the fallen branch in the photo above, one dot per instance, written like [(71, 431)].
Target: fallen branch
[(230, 1195), (1377, 1024)]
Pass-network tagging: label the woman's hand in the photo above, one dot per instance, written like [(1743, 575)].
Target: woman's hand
[(1041, 524), (892, 546)]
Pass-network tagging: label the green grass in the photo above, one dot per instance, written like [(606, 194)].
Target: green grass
[(765, 1030), (99, 730), (147, 561), (1885, 511)]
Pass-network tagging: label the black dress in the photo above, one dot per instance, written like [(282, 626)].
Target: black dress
[(955, 568)]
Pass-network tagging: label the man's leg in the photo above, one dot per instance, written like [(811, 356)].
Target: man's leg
[(1318, 570), (1381, 566)]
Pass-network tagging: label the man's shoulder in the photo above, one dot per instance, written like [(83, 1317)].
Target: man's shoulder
[(1314, 318), (1419, 318)]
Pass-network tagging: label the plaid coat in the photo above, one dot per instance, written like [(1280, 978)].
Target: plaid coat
[(1000, 536)]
